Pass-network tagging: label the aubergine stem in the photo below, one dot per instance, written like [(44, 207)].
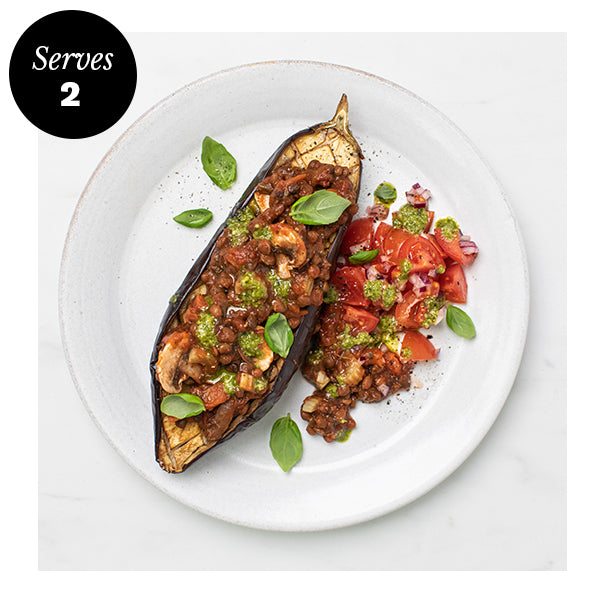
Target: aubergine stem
[(340, 123), (330, 142)]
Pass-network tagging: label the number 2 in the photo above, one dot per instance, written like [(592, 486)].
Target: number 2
[(73, 89)]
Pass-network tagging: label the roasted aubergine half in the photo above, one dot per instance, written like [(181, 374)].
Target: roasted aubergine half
[(241, 322)]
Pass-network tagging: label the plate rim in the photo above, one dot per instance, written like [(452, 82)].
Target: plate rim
[(448, 467)]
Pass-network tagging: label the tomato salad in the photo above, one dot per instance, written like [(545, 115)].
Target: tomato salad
[(392, 282)]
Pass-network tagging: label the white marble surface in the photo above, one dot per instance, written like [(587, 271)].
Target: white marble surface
[(505, 508)]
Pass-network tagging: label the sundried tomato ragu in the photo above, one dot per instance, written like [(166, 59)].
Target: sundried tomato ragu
[(221, 300), (381, 373)]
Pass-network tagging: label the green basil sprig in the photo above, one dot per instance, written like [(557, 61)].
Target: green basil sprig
[(365, 256), (286, 442), (279, 334), (219, 165), (194, 218), (386, 193), (319, 208), (460, 322), (182, 406)]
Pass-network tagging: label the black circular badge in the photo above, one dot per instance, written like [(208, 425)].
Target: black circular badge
[(73, 74)]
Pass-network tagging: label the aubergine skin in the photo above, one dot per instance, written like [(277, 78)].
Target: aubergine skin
[(330, 142)]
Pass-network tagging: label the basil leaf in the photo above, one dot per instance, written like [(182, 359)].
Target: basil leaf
[(364, 256), (194, 218), (286, 442), (386, 193), (319, 208), (278, 334), (218, 164), (460, 322), (182, 406)]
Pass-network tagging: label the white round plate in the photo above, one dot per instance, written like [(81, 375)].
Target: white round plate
[(125, 256)]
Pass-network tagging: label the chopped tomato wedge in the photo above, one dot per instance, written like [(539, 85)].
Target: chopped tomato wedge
[(406, 310), (383, 268), (421, 253), (419, 346), (380, 234), (179, 339), (452, 248), (453, 284), (359, 236), (431, 237), (360, 319), (349, 283), (393, 242), (410, 311), (213, 395), (430, 217), (195, 307)]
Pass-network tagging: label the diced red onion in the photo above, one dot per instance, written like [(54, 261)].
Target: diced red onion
[(415, 278), (418, 196), (357, 248), (419, 281), (441, 316), (378, 212), (384, 389), (373, 273), (400, 284), (468, 247)]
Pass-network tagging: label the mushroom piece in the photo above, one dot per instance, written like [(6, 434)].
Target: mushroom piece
[(310, 403), (167, 368), (263, 200), (195, 371), (246, 382), (265, 354), (303, 284), (321, 379), (289, 247), (353, 372), (201, 356), (283, 266), (263, 362), (173, 365), (199, 363)]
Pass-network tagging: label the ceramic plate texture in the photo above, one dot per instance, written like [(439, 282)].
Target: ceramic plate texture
[(125, 256)]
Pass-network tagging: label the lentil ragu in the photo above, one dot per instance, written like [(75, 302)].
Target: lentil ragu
[(264, 262), (347, 368)]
